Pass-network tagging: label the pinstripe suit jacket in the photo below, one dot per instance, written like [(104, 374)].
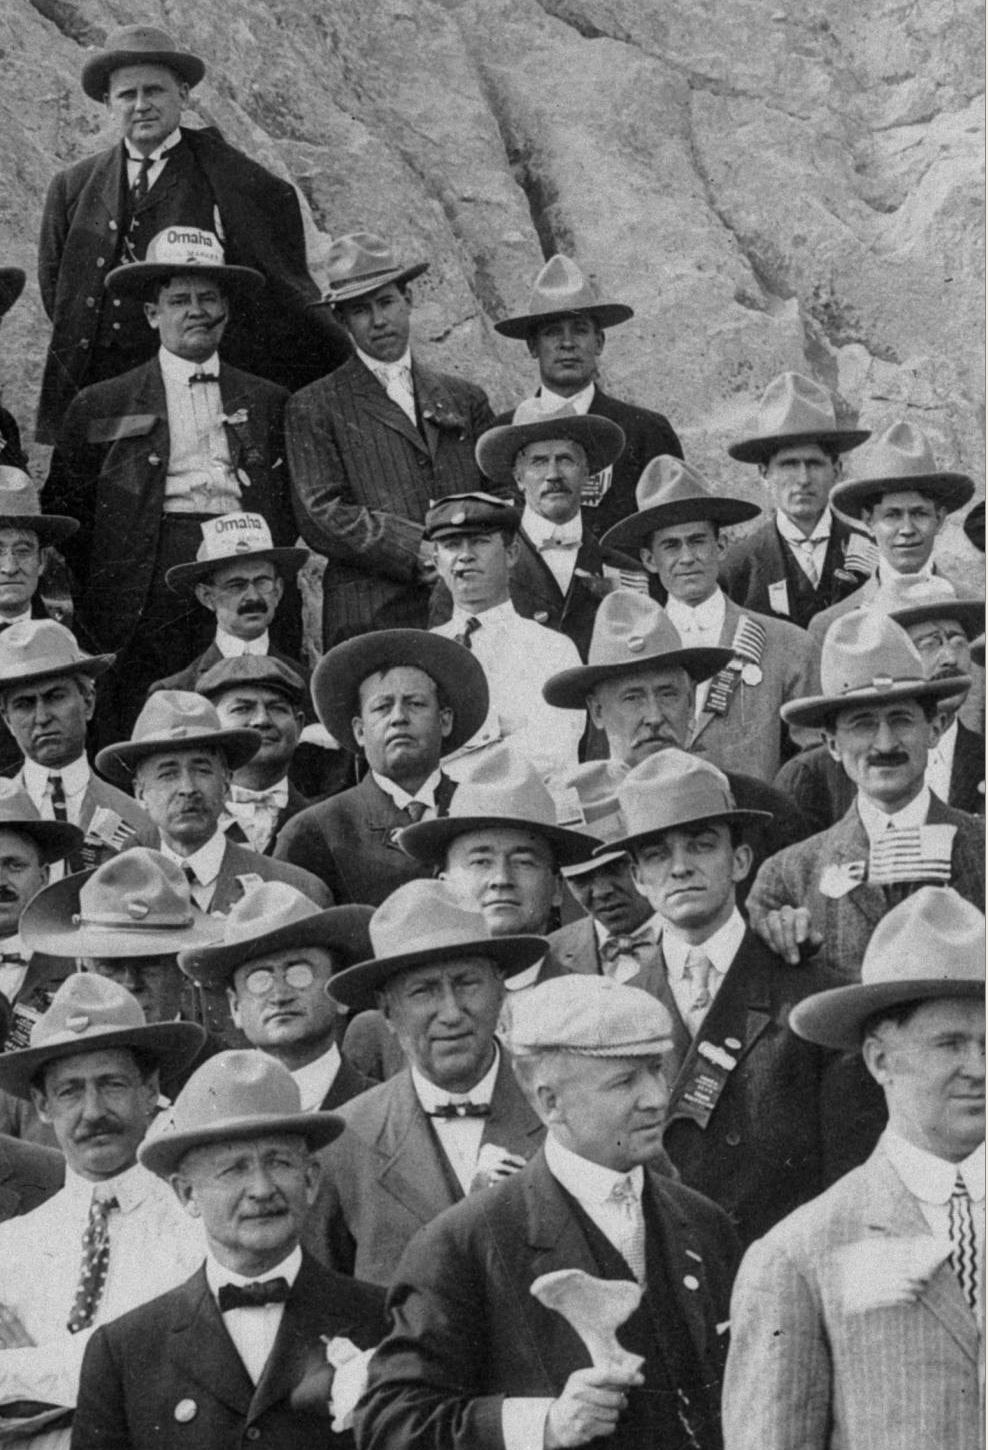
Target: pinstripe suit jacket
[(362, 477), (808, 1371)]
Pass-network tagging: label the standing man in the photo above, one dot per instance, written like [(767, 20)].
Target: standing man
[(239, 1351), (564, 330), (858, 1321), (105, 209), (473, 1358), (801, 559), (406, 698), (678, 535), (372, 445)]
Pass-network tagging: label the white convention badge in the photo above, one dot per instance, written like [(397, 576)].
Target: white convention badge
[(778, 597)]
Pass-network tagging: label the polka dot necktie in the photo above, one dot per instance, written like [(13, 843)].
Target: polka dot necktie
[(95, 1262)]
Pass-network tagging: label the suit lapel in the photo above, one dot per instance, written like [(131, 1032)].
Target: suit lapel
[(105, 187), (731, 616), (554, 1234), (434, 401), (202, 1348), (536, 578), (967, 771), (512, 1123), (413, 1171), (849, 842), (375, 401), (308, 1316)]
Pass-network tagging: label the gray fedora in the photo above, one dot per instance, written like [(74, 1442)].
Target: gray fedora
[(138, 45), (670, 492), (32, 650), (899, 461), (360, 263), (561, 290), (600, 438), (794, 409), (174, 720), (674, 789)]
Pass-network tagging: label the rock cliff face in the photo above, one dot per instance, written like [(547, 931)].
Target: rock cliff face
[(769, 186)]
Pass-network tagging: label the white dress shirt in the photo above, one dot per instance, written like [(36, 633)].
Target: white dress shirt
[(720, 948), (699, 626), (315, 1079), (459, 1137), (253, 1330), (807, 547), (75, 782), (940, 762), (396, 380), (205, 863), (877, 822), (561, 562), (931, 1182), (549, 402), (232, 648), (200, 478), (426, 792), (157, 157)]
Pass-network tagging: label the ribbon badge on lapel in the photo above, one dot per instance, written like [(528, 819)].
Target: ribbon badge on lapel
[(747, 648), (838, 881)]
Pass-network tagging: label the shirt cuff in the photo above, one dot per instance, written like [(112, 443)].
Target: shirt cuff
[(523, 1423)]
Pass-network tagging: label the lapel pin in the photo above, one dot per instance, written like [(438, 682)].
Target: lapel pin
[(691, 1281), (185, 1411)]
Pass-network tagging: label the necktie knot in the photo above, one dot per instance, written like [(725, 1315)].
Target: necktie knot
[(415, 810), (461, 1110), (626, 946), (470, 626), (558, 541), (252, 1296), (624, 1193)]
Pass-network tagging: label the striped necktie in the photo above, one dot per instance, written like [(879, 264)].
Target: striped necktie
[(963, 1241)]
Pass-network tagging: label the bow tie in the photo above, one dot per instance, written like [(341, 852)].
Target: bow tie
[(252, 1296), (15, 957), (461, 1110), (625, 946), (274, 796), (556, 541), (203, 378)]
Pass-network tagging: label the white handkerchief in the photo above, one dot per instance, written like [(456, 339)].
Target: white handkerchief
[(349, 1381)]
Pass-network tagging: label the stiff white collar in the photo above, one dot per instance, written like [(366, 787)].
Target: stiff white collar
[(929, 1178), (720, 948), (876, 822), (218, 1274), (588, 1182), (205, 862)]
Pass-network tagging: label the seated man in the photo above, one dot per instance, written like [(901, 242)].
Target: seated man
[(879, 714), (406, 698), (474, 1359), (239, 1351), (454, 1118), (275, 961)]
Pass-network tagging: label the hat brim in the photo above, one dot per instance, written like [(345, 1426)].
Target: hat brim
[(185, 576), (12, 280), (133, 277), (637, 529), (93, 666), (457, 672), (605, 314), (117, 763), (50, 528), (173, 1045), (55, 840), (427, 841), (162, 1154), (97, 70), (820, 710), (762, 448), (737, 817), (340, 929), (974, 526), (356, 986), (569, 689), (851, 497), (835, 1018), (593, 863), (601, 439), (373, 282), (48, 924), (969, 614)]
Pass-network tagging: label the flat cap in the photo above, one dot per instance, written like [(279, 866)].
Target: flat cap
[(589, 1016), (465, 513)]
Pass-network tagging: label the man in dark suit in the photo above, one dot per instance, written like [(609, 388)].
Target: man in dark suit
[(454, 1119), (275, 961), (241, 1351), (879, 715), (106, 208), (475, 1358), (405, 697), (564, 329), (29, 1175), (371, 446), (801, 559)]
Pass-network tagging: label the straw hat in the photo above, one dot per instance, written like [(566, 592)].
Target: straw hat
[(181, 249), (228, 538)]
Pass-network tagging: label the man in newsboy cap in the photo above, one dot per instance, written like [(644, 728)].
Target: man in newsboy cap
[(859, 1319), (474, 1359)]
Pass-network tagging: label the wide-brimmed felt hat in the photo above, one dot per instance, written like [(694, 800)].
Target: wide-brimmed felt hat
[(867, 659), (900, 460), (174, 720), (630, 633), (586, 802), (32, 650), (917, 600), (240, 670), (136, 904), (929, 947), (235, 1095), (20, 508), (12, 281), (138, 45), (54, 839), (181, 250), (457, 672), (672, 789), (90, 1013), (794, 410), (421, 924), (670, 492), (498, 790), (561, 290), (363, 262), (974, 525), (497, 449), (466, 513), (270, 917), (225, 540), (589, 1016)]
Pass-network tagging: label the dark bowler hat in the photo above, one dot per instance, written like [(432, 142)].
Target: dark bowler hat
[(32, 650), (228, 674), (899, 461), (181, 250), (138, 45), (674, 789), (20, 508), (361, 263), (175, 720), (228, 538), (458, 675), (12, 281), (561, 290), (497, 449), (420, 925), (54, 839), (670, 492), (468, 513), (794, 410), (974, 525)]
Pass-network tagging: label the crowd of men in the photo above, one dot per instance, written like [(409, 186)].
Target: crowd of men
[(549, 1010)]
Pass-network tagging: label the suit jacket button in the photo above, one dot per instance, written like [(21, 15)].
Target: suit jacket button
[(113, 226), (691, 1281), (116, 301), (733, 1140), (185, 1411), (90, 301), (101, 261), (252, 1433)]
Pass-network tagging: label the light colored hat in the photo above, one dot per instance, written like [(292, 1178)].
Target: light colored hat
[(899, 461), (867, 658), (174, 720), (586, 802), (136, 904), (268, 918), (20, 508), (589, 1016), (32, 650), (233, 1096), (794, 410), (363, 262), (90, 1013), (917, 600), (138, 45), (180, 250), (930, 946), (499, 789), (458, 674), (561, 290), (670, 492), (497, 449), (54, 839), (630, 633), (12, 281), (673, 788), (240, 670), (230, 537), (423, 923)]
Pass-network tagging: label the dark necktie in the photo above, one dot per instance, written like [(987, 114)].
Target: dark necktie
[(461, 1110), (415, 810), (252, 1296), (470, 627), (203, 378), (95, 1262), (139, 190), (58, 806)]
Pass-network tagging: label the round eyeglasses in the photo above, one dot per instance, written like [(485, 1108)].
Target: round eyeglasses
[(259, 983)]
